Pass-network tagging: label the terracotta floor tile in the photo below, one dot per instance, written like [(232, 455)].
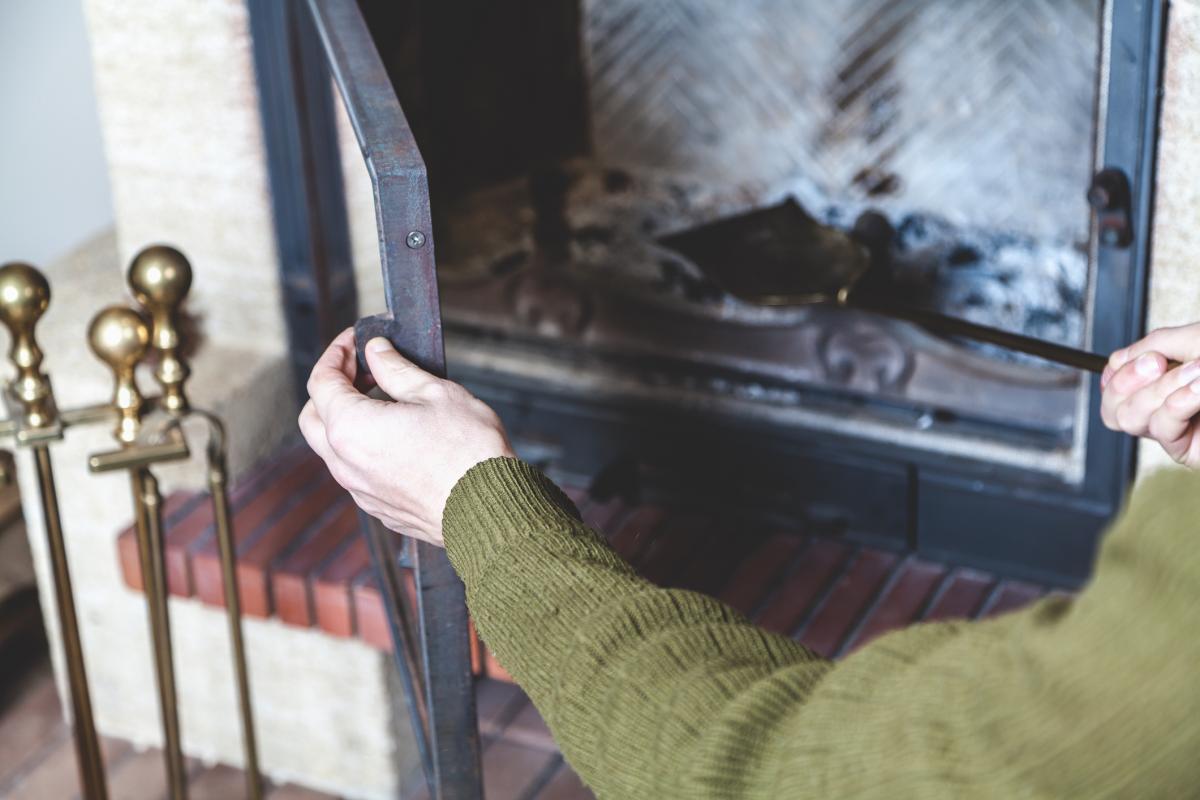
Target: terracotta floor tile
[(510, 770), (759, 572), (565, 785), (250, 499), (10, 495), (729, 546), (218, 782), (174, 507), (1013, 595), (49, 774), (636, 531), (370, 616), (291, 791), (258, 516), (816, 566), (141, 776), (261, 546), (30, 723), (529, 729), (962, 596), (493, 668), (291, 589), (902, 603), (331, 587), (578, 494), (56, 775), (181, 538), (676, 543), (496, 703), (604, 517), (849, 598)]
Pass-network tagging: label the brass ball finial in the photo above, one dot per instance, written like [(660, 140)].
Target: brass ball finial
[(160, 277), (119, 337), (24, 297)]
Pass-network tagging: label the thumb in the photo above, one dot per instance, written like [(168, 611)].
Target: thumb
[(394, 373)]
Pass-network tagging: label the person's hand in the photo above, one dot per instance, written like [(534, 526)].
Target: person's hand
[(1142, 397), (397, 458)]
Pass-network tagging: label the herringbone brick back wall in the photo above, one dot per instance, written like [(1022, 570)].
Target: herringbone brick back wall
[(979, 111)]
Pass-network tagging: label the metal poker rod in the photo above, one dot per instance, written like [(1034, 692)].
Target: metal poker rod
[(24, 297), (160, 278), (119, 337), (218, 491)]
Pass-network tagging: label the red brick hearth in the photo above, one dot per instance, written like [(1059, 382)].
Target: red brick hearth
[(300, 559)]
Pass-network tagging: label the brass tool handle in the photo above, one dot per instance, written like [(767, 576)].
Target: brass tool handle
[(24, 297), (160, 278), (951, 326), (119, 336)]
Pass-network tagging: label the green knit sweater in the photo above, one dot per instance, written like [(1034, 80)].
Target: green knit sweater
[(655, 693)]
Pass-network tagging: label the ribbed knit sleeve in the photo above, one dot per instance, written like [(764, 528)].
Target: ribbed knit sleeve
[(655, 693)]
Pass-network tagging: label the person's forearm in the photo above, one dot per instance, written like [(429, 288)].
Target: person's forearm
[(635, 682), (655, 693)]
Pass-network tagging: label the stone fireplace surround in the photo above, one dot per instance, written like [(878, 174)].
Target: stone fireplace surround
[(180, 117)]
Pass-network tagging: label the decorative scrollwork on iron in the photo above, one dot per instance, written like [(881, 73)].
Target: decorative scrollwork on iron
[(862, 355), (550, 305)]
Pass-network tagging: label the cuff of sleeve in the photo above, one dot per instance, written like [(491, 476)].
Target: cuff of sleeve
[(497, 501)]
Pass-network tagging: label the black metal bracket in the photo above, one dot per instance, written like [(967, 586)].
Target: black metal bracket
[(1109, 196)]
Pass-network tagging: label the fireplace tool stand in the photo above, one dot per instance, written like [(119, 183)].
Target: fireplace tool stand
[(149, 431)]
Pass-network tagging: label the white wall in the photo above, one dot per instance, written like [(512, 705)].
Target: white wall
[(54, 190)]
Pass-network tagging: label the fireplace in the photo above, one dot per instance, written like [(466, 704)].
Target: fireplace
[(998, 159), (922, 114), (566, 143)]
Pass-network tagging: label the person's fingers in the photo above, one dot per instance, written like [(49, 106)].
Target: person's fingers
[(1181, 344), (1173, 424), (1126, 380), (313, 431), (332, 379), (1133, 414), (394, 373)]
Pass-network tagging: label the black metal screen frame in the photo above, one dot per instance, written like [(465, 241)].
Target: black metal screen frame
[(298, 49)]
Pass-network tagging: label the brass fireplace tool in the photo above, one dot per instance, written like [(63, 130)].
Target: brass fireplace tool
[(780, 256), (149, 431)]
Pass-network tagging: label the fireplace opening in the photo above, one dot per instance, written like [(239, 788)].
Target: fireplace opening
[(564, 144), (567, 142)]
